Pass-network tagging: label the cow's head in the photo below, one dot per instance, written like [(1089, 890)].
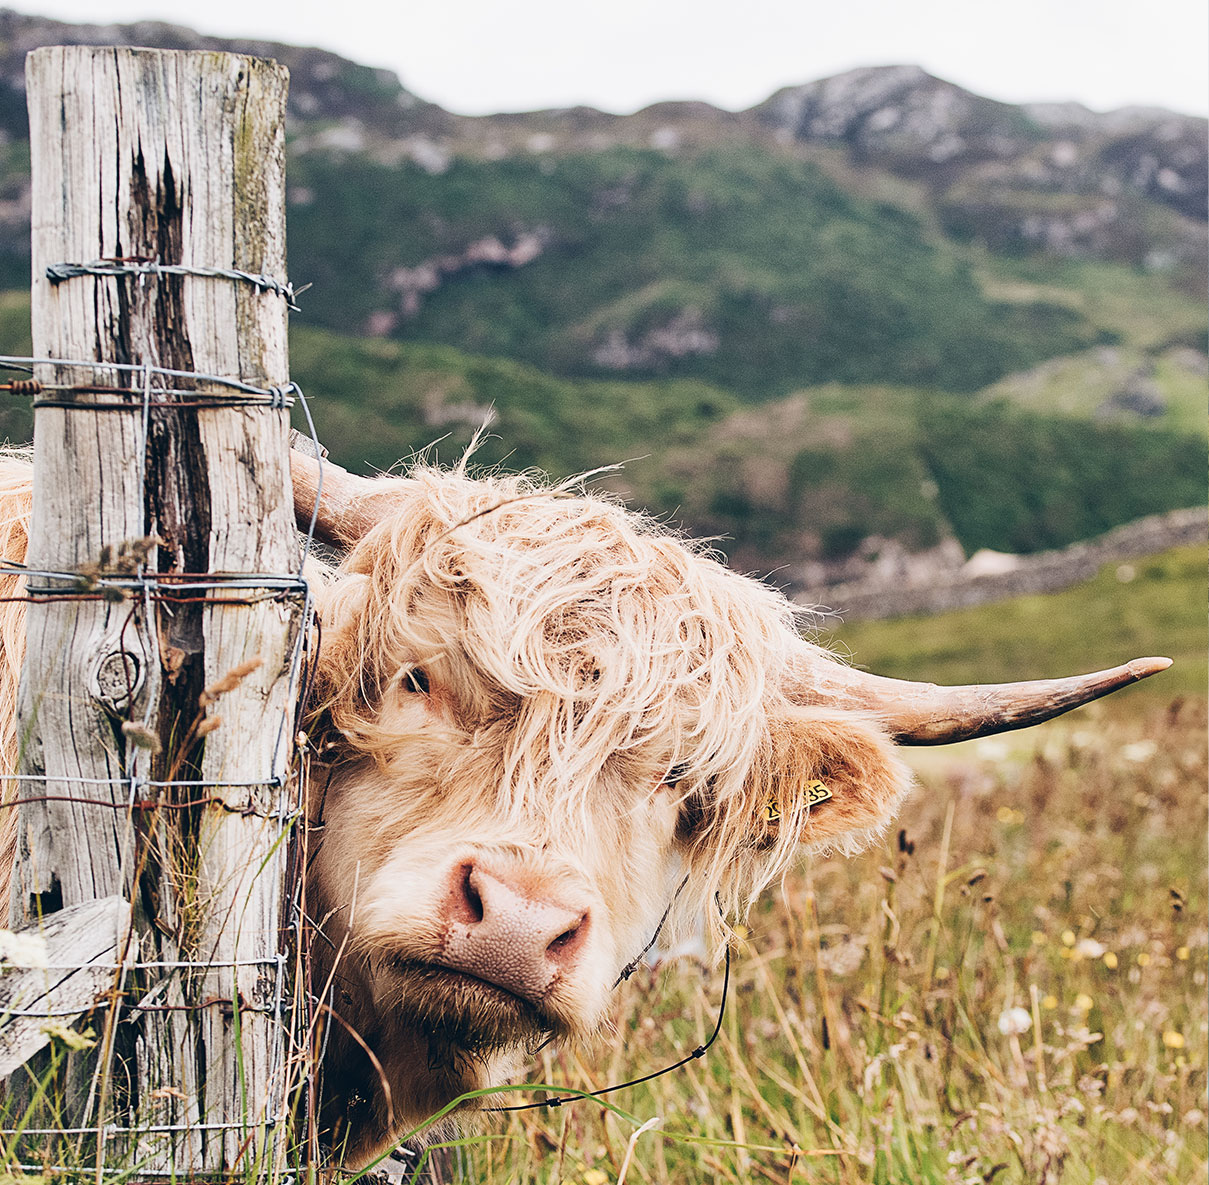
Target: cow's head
[(542, 721)]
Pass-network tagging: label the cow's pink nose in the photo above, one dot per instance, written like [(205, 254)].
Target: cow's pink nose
[(507, 933)]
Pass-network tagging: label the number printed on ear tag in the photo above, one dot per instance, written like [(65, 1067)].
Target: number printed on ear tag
[(815, 792)]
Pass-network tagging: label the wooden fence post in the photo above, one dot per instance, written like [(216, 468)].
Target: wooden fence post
[(148, 785)]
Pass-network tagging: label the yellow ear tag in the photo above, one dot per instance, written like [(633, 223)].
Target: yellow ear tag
[(815, 793)]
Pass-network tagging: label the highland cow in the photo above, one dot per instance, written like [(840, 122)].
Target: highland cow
[(543, 727)]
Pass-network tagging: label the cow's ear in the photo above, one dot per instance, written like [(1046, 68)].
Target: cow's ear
[(827, 780)]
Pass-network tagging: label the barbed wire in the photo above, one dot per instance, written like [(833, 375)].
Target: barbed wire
[(141, 267)]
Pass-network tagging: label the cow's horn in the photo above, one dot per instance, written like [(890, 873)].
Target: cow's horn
[(924, 714), (347, 505)]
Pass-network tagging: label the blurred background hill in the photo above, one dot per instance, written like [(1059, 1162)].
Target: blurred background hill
[(876, 311)]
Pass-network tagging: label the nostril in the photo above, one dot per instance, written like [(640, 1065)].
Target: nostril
[(465, 902), (563, 939), (474, 901), (562, 948)]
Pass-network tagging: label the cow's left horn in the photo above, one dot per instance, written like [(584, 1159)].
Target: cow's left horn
[(925, 714), (348, 505)]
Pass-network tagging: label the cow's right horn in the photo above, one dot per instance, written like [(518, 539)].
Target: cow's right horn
[(925, 714)]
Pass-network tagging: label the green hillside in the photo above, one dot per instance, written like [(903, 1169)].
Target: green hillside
[(807, 476), (743, 267)]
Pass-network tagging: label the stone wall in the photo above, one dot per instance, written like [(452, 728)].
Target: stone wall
[(1015, 576)]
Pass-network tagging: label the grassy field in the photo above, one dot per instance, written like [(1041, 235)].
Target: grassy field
[(1012, 988)]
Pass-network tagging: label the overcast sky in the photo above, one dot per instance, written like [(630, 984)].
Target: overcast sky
[(478, 56)]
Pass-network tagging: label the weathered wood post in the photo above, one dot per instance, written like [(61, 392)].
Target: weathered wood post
[(162, 168)]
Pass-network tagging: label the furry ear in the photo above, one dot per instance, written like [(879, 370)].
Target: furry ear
[(832, 781)]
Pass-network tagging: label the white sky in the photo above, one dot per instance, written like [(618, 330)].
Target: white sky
[(477, 56)]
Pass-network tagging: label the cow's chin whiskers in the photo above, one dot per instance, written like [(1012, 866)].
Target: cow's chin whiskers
[(459, 1014)]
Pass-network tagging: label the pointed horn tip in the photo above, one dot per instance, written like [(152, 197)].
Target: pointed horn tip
[(1140, 668)]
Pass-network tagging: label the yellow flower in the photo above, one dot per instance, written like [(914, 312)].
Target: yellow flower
[(1110, 960), (1040, 938), (1173, 1040), (1068, 938), (1182, 954), (1084, 1002), (1050, 1002), (1143, 959)]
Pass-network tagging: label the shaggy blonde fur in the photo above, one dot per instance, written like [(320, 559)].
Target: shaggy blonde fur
[(599, 639)]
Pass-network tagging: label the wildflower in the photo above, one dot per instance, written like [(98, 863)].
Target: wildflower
[(22, 950), (1110, 960), (844, 957), (1089, 948), (595, 1177), (1139, 751), (1068, 938), (1143, 959), (1040, 938), (1015, 1021), (1049, 1002), (1182, 953), (1173, 1040), (1091, 1086), (1084, 1002)]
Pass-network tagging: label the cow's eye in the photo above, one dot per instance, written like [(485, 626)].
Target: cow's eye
[(416, 680), (690, 819), (674, 775)]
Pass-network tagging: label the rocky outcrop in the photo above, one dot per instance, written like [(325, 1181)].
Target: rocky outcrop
[(682, 334), (412, 284), (1052, 177), (902, 117)]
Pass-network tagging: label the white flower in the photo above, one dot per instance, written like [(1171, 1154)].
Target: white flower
[(1089, 948), (1015, 1021), (24, 949), (844, 957), (1139, 751)]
